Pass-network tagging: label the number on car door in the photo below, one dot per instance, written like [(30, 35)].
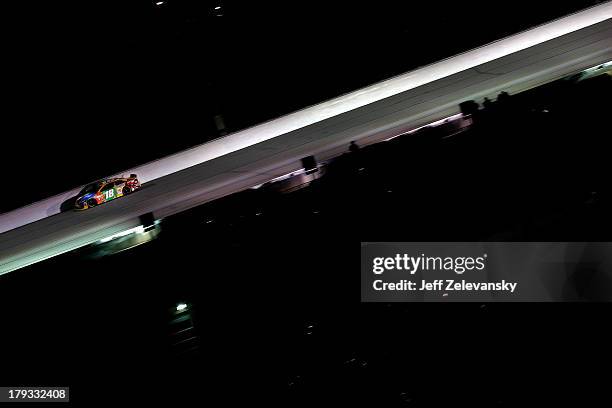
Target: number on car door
[(109, 192)]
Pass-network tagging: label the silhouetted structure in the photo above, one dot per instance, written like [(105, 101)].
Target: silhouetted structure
[(468, 107), (503, 97), (310, 164), (487, 103)]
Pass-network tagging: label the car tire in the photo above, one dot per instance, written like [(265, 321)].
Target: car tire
[(126, 190), (91, 203)]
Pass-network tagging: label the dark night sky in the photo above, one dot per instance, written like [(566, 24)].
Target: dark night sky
[(94, 87)]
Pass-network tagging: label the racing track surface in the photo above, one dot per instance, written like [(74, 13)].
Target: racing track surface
[(328, 109), (233, 163)]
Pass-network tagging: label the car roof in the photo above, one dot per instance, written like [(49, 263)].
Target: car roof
[(105, 181), (110, 180)]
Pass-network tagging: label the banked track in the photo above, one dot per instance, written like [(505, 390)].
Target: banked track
[(258, 154)]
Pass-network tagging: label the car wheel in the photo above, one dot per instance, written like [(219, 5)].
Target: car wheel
[(91, 202), (126, 190)]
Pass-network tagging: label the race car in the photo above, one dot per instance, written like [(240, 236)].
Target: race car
[(105, 190)]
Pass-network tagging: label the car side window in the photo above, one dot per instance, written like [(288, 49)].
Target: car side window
[(108, 186)]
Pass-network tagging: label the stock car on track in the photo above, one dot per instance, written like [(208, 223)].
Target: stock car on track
[(105, 190)]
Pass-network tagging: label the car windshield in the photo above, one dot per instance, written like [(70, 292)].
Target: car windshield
[(90, 188)]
